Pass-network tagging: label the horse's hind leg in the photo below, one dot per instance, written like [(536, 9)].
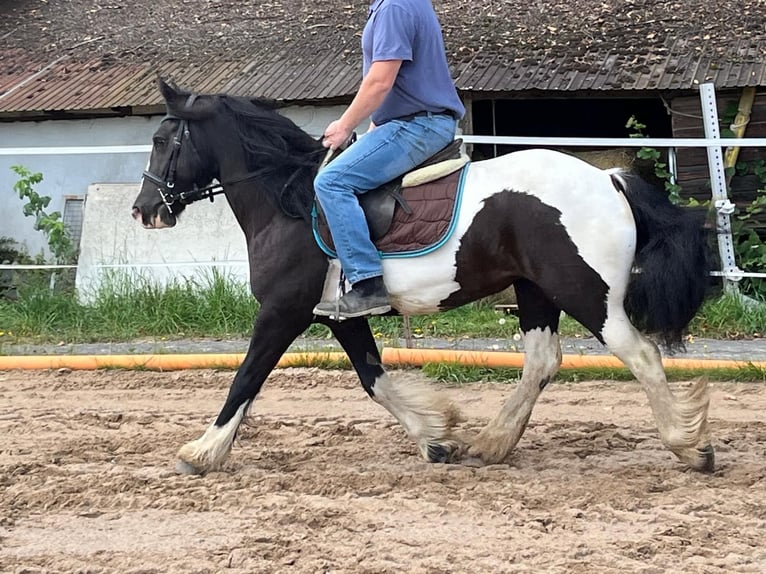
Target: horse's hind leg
[(539, 319), (681, 420), (427, 416)]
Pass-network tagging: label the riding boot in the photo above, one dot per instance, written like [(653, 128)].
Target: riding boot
[(367, 297)]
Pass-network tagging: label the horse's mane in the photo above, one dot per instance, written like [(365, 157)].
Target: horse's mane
[(283, 157)]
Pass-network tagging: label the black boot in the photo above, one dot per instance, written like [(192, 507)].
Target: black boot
[(367, 297)]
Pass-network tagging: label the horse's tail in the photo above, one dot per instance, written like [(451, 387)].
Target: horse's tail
[(672, 263)]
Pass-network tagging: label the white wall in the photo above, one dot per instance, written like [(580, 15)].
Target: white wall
[(65, 174), (73, 174), (205, 232)]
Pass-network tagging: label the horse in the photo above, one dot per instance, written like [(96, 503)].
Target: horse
[(603, 246)]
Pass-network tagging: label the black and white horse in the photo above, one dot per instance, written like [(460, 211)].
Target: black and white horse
[(565, 234)]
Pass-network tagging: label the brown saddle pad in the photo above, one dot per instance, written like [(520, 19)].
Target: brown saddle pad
[(433, 206)]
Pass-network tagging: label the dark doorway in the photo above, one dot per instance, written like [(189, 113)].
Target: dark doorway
[(603, 118)]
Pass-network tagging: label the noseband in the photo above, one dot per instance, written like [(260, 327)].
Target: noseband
[(166, 183)]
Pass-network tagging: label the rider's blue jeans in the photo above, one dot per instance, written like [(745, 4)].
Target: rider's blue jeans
[(382, 154)]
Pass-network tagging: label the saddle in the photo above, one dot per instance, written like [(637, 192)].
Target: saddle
[(426, 194)]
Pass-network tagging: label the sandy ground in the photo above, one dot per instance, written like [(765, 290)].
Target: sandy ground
[(323, 480)]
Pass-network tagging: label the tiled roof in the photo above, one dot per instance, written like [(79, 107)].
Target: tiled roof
[(94, 55)]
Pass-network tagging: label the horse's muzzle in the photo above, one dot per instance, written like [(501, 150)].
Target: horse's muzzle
[(162, 218)]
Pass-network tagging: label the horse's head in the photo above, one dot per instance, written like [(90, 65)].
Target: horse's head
[(177, 170)]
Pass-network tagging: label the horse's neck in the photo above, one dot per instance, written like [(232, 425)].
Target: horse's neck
[(253, 213), (254, 194)]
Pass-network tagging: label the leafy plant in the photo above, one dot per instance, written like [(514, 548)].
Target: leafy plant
[(655, 156), (749, 248), (51, 224)]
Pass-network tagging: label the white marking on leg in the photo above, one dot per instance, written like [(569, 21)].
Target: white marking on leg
[(427, 416), (541, 362), (681, 420), (211, 449)]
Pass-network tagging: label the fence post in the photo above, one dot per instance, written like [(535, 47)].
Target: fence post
[(723, 207)]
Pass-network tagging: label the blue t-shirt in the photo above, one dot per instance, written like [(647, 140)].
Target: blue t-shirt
[(409, 30)]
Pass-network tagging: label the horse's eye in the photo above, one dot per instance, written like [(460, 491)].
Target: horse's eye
[(158, 141)]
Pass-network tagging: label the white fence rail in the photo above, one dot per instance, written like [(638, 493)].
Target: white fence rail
[(467, 138)]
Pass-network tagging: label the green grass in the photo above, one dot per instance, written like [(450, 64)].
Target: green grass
[(730, 317), (462, 374), (127, 308)]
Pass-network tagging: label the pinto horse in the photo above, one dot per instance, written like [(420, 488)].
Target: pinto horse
[(602, 246)]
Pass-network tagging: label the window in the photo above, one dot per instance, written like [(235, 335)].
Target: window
[(73, 216)]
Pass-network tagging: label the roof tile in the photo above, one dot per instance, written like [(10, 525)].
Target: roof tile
[(82, 54)]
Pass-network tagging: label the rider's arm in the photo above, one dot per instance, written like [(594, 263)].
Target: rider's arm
[(374, 89)]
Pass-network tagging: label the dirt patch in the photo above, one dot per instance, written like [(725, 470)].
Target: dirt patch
[(323, 480)]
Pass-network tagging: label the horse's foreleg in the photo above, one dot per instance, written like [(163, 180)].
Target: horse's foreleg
[(273, 332), (681, 420), (542, 357), (427, 416)]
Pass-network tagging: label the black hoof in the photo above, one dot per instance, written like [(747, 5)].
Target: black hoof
[(183, 467), (709, 455), (439, 452)]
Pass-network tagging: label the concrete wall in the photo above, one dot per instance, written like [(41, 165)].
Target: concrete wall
[(73, 174), (204, 233)]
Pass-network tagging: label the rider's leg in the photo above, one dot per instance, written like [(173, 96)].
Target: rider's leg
[(381, 155)]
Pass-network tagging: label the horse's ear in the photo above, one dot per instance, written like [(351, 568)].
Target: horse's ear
[(182, 104), (173, 96)]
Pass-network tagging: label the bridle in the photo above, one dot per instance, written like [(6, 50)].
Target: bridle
[(167, 182)]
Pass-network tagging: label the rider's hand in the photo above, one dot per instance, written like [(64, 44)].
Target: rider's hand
[(336, 135)]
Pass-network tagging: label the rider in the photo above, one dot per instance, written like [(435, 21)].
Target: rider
[(408, 93)]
